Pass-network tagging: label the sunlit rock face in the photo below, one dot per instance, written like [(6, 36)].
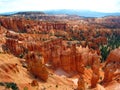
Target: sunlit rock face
[(14, 24), (96, 75), (30, 26), (112, 67), (13, 46), (89, 58), (71, 58), (2, 37), (36, 66)]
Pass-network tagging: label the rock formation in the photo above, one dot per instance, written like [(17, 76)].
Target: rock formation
[(71, 46), (81, 84), (13, 46), (25, 25), (69, 58), (96, 74), (36, 66), (112, 67)]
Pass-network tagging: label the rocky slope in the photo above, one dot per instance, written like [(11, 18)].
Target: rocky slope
[(12, 70)]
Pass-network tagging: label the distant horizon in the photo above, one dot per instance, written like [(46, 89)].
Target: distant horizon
[(82, 13), (54, 10), (104, 6)]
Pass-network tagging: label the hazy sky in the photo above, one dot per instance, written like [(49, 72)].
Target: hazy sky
[(38, 5)]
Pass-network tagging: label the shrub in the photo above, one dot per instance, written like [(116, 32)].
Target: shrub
[(25, 88), (104, 52), (11, 85), (21, 55)]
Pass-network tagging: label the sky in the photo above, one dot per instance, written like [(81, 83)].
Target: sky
[(41, 5)]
